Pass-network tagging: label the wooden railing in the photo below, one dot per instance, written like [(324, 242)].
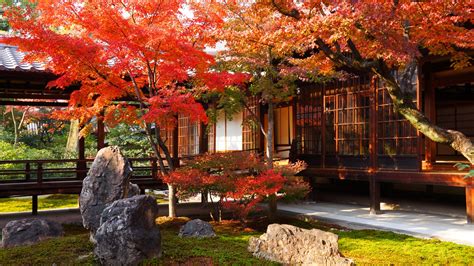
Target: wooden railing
[(38, 177), (40, 171)]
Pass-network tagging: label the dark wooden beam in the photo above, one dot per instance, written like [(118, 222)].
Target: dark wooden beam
[(40, 96), (30, 103), (455, 179)]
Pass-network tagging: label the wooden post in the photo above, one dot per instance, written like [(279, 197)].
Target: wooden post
[(175, 152), (430, 146), (39, 173), (81, 165), (100, 133), (470, 201), (374, 195), (373, 123), (203, 143), (420, 83), (34, 204), (27, 171), (374, 186), (323, 127), (154, 168)]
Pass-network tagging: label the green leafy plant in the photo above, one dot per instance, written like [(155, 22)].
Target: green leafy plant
[(464, 167)]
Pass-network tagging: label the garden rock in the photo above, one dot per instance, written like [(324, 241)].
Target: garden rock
[(107, 181), (29, 231), (289, 244), (197, 228), (127, 233)]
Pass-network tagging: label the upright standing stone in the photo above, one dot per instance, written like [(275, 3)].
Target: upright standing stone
[(128, 233), (292, 245), (107, 181), (29, 231)]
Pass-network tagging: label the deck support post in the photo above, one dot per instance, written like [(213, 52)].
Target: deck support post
[(374, 195), (470, 201), (34, 204)]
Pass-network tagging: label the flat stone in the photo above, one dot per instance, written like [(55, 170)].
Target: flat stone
[(289, 244), (29, 231), (197, 228), (128, 233)]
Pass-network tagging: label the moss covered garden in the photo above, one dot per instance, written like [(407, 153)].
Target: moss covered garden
[(366, 247)]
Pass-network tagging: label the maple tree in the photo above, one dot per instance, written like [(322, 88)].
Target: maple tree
[(376, 37), (141, 62), (239, 180)]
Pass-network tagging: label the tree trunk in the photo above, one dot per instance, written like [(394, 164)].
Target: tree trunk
[(272, 199), (405, 106), (172, 200), (14, 127), (72, 144)]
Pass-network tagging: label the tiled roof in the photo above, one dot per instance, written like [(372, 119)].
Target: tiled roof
[(12, 60)]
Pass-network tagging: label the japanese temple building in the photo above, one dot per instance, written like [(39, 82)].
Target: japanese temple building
[(344, 130)]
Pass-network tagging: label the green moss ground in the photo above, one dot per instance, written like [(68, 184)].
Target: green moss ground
[(50, 202), (23, 204), (230, 248)]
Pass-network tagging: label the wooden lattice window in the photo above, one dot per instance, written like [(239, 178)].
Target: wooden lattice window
[(347, 108), (308, 120), (250, 130), (395, 135), (188, 140)]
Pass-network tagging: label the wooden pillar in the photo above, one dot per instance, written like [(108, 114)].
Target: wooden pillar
[(323, 126), (100, 133), (175, 152), (470, 201), (420, 84), (374, 195), (34, 204), (81, 166), (203, 139), (430, 112), (374, 185)]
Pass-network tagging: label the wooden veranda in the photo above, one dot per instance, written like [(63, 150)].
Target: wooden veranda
[(23, 84), (349, 130)]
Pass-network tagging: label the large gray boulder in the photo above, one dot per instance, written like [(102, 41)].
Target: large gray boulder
[(128, 233), (29, 231), (289, 244), (197, 228), (107, 181)]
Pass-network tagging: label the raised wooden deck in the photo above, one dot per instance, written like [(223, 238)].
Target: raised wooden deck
[(39, 177)]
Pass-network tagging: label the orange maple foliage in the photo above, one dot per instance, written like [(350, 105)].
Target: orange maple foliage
[(150, 52), (369, 37)]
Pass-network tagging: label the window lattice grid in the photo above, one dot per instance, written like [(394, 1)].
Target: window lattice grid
[(395, 135), (188, 140), (250, 130), (347, 108), (308, 120)]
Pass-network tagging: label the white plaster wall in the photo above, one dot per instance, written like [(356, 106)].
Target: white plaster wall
[(232, 141)]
